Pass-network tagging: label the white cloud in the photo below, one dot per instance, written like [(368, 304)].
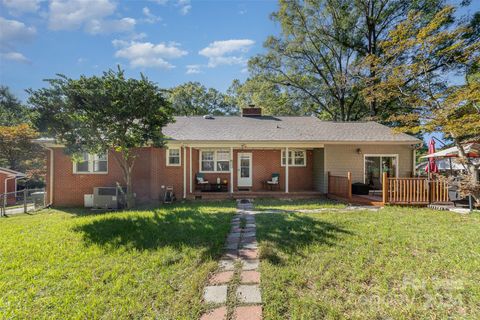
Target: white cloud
[(65, 15), (161, 2), (89, 14), (193, 68), (227, 52), (14, 31), (14, 56), (21, 6), (184, 5), (110, 26), (147, 54), (149, 16)]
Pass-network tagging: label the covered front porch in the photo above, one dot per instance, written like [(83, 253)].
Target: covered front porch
[(219, 171), (256, 194)]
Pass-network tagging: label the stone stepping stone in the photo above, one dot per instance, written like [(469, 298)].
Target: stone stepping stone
[(250, 264), (215, 294), (221, 277), (249, 234), (248, 253), (253, 245), (250, 225), (215, 314), (236, 230), (250, 276), (249, 294), (230, 254), (248, 313), (249, 230), (227, 264), (231, 245), (248, 240), (234, 235)]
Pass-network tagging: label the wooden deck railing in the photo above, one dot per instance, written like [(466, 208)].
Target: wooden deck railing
[(340, 186), (414, 190)]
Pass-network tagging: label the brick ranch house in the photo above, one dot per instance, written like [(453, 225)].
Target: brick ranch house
[(241, 153)]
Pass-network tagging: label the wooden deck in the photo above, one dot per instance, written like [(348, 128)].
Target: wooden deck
[(369, 200), (255, 194)]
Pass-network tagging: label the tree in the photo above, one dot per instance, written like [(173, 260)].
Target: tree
[(102, 113), (12, 111), (305, 60), (416, 69), (271, 97), (16, 147), (192, 98), (318, 52)]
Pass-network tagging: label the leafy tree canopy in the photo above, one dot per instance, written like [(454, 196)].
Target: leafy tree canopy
[(192, 98), (416, 69), (318, 55), (101, 113), (12, 111)]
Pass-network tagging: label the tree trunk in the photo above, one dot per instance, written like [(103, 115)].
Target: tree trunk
[(130, 198), (126, 162)]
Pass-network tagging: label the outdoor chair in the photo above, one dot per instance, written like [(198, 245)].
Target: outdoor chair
[(201, 182), (274, 182)]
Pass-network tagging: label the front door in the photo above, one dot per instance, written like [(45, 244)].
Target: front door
[(244, 169)]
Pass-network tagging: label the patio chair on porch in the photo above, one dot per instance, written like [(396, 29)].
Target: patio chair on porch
[(274, 182), (201, 182)]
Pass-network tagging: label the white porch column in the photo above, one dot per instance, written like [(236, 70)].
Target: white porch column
[(191, 183), (184, 172), (286, 169), (231, 169)]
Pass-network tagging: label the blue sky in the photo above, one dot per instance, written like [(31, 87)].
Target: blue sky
[(171, 41)]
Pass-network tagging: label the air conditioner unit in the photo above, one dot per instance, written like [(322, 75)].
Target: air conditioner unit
[(108, 198)]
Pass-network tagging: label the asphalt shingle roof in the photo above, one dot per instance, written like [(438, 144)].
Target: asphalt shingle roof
[(269, 128)]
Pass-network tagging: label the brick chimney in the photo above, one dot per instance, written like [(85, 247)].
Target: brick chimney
[(252, 111)]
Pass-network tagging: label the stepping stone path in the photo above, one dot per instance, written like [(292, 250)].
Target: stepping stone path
[(233, 291)]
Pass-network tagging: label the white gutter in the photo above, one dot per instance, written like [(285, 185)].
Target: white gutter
[(286, 170), (184, 172)]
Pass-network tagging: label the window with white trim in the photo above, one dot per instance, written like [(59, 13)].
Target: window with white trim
[(296, 158), (214, 161), (91, 163), (174, 157)]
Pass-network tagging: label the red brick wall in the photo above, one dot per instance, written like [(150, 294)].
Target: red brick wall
[(151, 175), (10, 183), (69, 188), (163, 175)]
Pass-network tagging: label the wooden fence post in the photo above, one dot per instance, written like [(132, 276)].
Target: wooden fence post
[(384, 188), (349, 185), (25, 200)]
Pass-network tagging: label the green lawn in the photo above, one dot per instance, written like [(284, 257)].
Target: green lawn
[(152, 263), (397, 263)]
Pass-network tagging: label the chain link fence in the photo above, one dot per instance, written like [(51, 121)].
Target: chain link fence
[(23, 201)]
